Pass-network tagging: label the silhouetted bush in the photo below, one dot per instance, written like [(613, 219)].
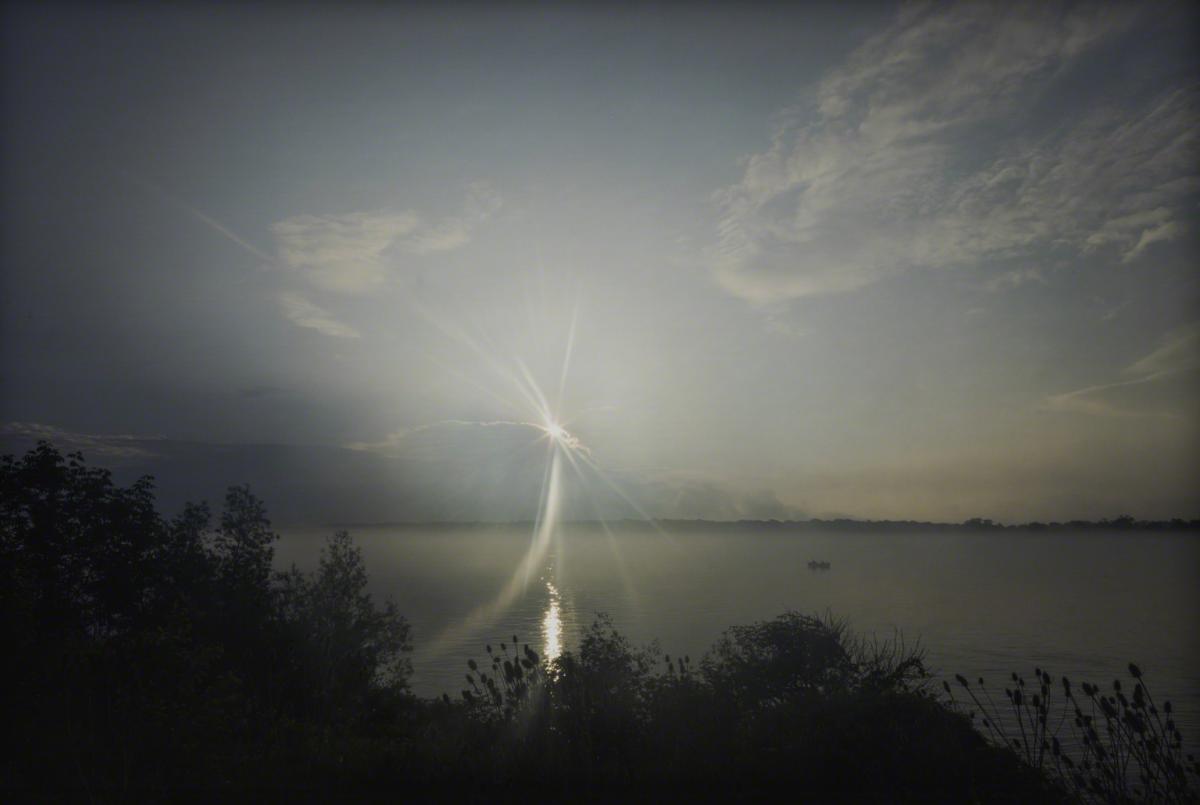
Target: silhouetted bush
[(150, 654), (794, 706), (152, 658)]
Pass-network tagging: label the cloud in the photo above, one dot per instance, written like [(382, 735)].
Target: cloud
[(1015, 279), (497, 467), (303, 313), (411, 438), (112, 446), (342, 253), (926, 149), (1167, 230), (690, 496), (454, 470), (353, 253), (1178, 353), (1177, 356), (521, 434)]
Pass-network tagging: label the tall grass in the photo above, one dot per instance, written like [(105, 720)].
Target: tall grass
[(1115, 748), (502, 693), (797, 703)]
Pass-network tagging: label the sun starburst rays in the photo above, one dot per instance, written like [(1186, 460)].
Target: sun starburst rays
[(565, 452)]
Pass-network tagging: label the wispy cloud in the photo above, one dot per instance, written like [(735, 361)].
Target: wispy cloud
[(396, 440), (304, 313), (342, 253), (462, 429), (353, 253), (1179, 352), (1167, 230), (1016, 278), (1177, 355), (111, 445), (922, 150)]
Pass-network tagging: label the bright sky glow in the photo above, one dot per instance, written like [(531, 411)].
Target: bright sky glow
[(391, 263)]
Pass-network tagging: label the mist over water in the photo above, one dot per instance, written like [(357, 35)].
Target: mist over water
[(982, 604), (578, 302)]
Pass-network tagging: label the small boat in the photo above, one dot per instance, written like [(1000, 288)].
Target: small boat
[(815, 565)]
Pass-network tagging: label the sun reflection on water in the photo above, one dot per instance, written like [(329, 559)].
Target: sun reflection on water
[(551, 626), (565, 453)]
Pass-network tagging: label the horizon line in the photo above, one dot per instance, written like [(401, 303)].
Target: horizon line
[(1123, 522)]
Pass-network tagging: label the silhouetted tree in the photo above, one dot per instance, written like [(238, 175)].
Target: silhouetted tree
[(154, 650), (149, 656), (348, 647)]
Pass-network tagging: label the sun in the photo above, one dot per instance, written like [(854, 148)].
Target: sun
[(562, 438)]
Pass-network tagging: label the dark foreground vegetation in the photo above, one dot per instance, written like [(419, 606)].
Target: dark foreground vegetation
[(156, 658)]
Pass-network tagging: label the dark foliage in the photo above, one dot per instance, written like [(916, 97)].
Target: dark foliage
[(148, 654), (1114, 748), (160, 659), (793, 708)]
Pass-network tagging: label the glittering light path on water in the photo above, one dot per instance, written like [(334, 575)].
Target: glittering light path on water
[(552, 626), (565, 452)]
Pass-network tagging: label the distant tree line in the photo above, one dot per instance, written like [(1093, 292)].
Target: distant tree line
[(160, 658), (1122, 523)]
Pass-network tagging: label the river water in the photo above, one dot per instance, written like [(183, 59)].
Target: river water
[(981, 603)]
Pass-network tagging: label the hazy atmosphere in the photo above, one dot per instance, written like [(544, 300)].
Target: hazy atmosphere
[(868, 260), (600, 402)]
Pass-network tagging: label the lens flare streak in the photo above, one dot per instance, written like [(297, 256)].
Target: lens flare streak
[(561, 444)]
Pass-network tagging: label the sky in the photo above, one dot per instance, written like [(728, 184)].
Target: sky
[(882, 261)]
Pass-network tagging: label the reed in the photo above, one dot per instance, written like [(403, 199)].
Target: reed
[(1101, 746)]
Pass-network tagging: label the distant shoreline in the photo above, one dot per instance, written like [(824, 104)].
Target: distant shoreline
[(841, 524)]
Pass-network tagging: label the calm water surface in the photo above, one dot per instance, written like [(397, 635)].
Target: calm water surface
[(982, 604)]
